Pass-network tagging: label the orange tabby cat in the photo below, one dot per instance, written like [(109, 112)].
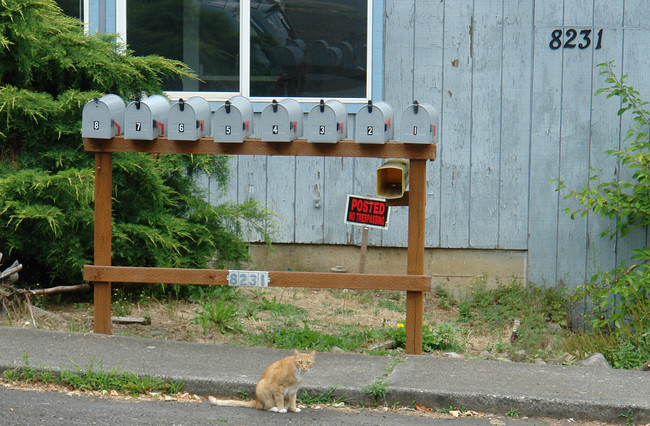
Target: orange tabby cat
[(277, 388)]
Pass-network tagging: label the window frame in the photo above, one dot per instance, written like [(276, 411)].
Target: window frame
[(374, 52)]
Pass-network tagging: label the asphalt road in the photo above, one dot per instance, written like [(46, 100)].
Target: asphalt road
[(29, 407)]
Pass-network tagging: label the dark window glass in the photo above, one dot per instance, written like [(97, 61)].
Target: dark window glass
[(308, 48), (304, 48), (204, 35), (72, 8)]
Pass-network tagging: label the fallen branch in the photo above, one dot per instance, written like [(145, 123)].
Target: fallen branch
[(59, 289), (13, 269)]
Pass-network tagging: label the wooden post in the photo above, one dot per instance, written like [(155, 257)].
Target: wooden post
[(364, 250), (415, 254), (415, 199), (103, 234)]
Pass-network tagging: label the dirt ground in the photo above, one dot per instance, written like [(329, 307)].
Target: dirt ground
[(326, 310)]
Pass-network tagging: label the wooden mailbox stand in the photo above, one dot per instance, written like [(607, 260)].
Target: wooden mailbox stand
[(415, 283)]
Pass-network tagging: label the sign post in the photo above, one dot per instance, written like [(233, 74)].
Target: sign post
[(367, 212)]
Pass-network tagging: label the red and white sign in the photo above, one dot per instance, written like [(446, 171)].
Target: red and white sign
[(365, 211)]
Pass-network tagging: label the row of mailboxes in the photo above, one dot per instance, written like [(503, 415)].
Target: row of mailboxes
[(280, 121)]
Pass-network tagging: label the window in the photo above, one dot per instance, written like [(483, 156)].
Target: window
[(72, 8), (294, 48)]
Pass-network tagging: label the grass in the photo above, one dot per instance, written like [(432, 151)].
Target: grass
[(322, 397), (474, 324), (94, 380)]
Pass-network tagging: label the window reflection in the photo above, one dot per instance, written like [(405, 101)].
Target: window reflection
[(300, 48), (202, 34), (308, 48)]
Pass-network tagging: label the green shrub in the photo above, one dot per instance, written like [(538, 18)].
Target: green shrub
[(49, 69), (618, 300)]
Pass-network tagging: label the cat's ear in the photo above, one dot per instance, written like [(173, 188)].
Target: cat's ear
[(313, 353), (295, 352)]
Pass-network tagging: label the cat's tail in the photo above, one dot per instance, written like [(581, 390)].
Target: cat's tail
[(232, 402)]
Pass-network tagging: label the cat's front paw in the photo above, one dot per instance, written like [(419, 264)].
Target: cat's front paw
[(297, 410), (274, 409), (284, 410)]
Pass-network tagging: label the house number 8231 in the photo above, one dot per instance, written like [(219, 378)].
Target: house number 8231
[(575, 38)]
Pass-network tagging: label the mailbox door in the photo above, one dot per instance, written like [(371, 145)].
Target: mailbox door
[(182, 124), (138, 122), (96, 121), (416, 128), (230, 127), (370, 127), (323, 126), (276, 126), (421, 127)]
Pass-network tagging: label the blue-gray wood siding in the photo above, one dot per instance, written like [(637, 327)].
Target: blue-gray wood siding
[(515, 114)]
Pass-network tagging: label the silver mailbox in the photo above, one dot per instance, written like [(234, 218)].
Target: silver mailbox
[(147, 118), (189, 120), (233, 121), (419, 124), (281, 121), (374, 123), (103, 118), (326, 122)]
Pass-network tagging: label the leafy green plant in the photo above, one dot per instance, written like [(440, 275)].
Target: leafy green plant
[(612, 294), (617, 300), (439, 338), (220, 314)]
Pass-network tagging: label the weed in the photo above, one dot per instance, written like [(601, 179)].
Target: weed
[(443, 299), (392, 305), (450, 408), (513, 412), (625, 349), (322, 397), (221, 314), (348, 339), (439, 338), (280, 309), (243, 395), (377, 391), (90, 379), (493, 310), (198, 293), (629, 417)]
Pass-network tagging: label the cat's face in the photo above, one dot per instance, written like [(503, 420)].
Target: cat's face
[(304, 361)]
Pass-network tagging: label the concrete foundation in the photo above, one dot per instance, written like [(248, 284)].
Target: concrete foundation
[(453, 269)]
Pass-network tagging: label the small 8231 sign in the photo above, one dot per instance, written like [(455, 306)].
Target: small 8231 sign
[(248, 278), (366, 211)]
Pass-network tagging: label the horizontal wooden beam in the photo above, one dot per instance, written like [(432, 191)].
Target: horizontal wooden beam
[(130, 274), (255, 146)]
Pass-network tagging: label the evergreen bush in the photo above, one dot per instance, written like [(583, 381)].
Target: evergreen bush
[(49, 69)]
